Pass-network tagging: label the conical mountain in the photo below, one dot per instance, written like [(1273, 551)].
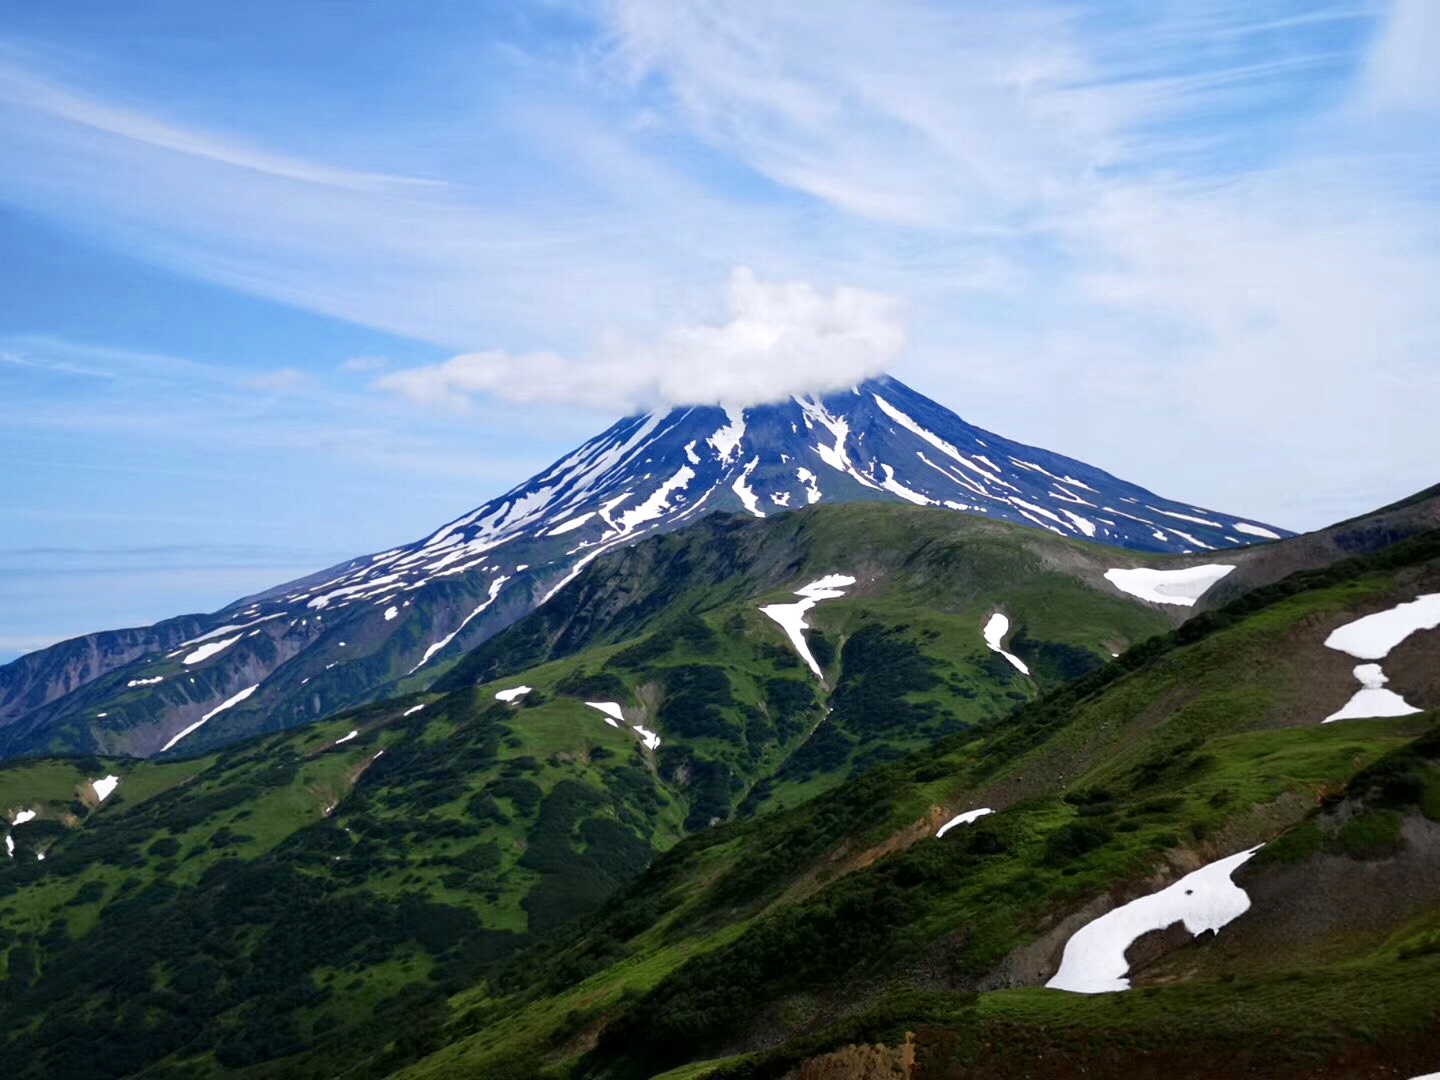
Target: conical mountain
[(309, 647)]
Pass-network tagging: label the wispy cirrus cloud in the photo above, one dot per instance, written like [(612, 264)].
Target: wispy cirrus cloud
[(1207, 224)]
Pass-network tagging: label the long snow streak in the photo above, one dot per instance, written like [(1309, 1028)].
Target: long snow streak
[(229, 703), (791, 617), (435, 647)]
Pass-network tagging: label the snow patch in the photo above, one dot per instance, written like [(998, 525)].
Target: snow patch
[(791, 617), (995, 631), (1256, 530), (1187, 517), (1373, 636), (228, 703), (659, 500), (611, 709), (411, 712), (435, 647), (811, 482), (146, 682), (727, 440), (1372, 701), (221, 631), (391, 612), (347, 737), (209, 649), (963, 819), (1094, 960), (1085, 525), (571, 525), (1181, 587), (742, 488), (105, 787), (895, 487), (513, 694), (25, 815)]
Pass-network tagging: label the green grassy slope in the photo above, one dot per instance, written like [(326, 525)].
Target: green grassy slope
[(220, 912), (844, 920)]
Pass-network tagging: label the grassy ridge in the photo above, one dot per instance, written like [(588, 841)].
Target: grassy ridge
[(1099, 785)]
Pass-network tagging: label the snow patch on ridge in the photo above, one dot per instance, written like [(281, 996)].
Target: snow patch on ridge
[(726, 441), (513, 694), (1256, 530), (812, 485), (1182, 587)]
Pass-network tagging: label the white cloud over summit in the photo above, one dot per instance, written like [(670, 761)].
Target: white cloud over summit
[(777, 338)]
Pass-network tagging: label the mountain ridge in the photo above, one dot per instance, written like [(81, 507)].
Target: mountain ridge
[(304, 649)]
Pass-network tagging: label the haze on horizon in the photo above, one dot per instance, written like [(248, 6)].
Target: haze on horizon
[(289, 283)]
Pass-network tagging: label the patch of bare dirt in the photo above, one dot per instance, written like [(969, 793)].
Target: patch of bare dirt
[(877, 1062)]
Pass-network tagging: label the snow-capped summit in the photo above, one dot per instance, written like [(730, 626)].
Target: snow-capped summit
[(330, 640)]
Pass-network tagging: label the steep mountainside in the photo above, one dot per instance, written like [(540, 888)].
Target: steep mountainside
[(308, 648), (919, 912), (344, 897), (463, 810)]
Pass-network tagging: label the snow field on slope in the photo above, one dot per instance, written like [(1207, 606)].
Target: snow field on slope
[(512, 695), (104, 787), (995, 631), (1182, 587), (1094, 960), (1374, 637), (791, 617), (209, 649)]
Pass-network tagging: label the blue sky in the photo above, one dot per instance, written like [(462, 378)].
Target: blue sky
[(286, 283)]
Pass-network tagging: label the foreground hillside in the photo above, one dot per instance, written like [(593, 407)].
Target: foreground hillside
[(847, 921), (382, 892), (417, 841)]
